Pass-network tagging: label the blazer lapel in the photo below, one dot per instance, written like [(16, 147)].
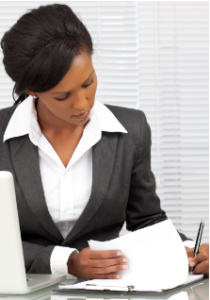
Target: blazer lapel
[(103, 162), (26, 165)]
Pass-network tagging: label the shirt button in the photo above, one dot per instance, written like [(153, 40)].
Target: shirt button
[(63, 224)]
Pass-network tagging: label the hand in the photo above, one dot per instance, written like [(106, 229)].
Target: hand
[(91, 264), (201, 261)]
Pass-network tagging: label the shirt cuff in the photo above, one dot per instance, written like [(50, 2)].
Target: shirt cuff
[(190, 244), (59, 259)]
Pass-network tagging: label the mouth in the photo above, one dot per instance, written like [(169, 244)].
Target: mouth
[(82, 116)]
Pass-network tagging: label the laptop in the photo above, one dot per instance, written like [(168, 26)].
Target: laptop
[(13, 279)]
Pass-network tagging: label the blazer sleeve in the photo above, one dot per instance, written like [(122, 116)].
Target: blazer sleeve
[(143, 208), (37, 257)]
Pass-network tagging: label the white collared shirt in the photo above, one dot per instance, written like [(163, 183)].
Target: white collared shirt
[(62, 186), (64, 196)]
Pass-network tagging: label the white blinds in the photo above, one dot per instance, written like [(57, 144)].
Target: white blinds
[(173, 85), (152, 55)]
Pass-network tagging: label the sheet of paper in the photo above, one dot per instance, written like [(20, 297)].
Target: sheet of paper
[(156, 257), (193, 277), (156, 254), (82, 285)]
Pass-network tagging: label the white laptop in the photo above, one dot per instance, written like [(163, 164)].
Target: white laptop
[(13, 279)]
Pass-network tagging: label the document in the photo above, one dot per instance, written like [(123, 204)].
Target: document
[(156, 257)]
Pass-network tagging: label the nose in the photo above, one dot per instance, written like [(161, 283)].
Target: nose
[(80, 101)]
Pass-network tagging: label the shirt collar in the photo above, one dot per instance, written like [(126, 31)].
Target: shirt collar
[(106, 119), (24, 121)]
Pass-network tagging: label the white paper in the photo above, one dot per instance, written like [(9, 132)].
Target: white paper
[(156, 257), (193, 277)]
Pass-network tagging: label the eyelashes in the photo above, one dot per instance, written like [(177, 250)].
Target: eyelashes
[(61, 99), (84, 86)]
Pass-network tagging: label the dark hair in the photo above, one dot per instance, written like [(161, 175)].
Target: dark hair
[(39, 49)]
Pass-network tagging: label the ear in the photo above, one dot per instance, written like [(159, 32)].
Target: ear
[(31, 93)]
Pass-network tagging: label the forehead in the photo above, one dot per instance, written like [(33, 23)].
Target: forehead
[(77, 74)]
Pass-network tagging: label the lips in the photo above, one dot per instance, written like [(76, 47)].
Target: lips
[(82, 116)]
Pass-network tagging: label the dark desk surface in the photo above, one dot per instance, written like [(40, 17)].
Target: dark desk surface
[(196, 291)]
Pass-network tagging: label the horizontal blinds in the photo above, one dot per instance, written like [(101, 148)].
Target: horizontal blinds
[(153, 56), (173, 92)]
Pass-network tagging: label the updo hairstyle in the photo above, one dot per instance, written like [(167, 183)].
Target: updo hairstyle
[(41, 46)]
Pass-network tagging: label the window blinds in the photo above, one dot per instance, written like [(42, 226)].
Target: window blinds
[(153, 56)]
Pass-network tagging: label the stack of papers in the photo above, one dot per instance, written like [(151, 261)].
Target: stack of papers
[(156, 257)]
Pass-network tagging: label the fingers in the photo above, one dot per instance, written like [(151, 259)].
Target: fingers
[(108, 272), (201, 268), (108, 276), (110, 269), (197, 259), (201, 261), (94, 254), (90, 264), (190, 252), (108, 262)]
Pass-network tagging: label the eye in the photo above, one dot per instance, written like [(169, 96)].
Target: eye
[(61, 99), (85, 86)]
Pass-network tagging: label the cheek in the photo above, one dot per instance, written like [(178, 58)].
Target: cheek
[(57, 108), (93, 89), (63, 110)]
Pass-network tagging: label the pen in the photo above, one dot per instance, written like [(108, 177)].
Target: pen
[(198, 242)]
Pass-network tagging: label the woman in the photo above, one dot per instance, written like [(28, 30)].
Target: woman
[(80, 168)]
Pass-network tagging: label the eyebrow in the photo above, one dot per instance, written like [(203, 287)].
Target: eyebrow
[(70, 91)]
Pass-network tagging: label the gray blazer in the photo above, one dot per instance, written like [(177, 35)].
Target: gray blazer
[(123, 189)]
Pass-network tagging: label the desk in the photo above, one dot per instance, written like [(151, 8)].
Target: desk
[(196, 291)]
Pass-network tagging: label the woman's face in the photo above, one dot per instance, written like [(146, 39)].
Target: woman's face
[(72, 96)]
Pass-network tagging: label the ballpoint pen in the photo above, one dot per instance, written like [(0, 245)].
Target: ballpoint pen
[(198, 242)]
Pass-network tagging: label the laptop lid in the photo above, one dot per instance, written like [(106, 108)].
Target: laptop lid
[(12, 270), (13, 279)]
